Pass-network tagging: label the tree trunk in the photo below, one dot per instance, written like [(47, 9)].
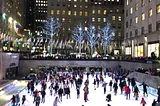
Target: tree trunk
[(105, 51), (91, 50), (51, 46), (80, 48)]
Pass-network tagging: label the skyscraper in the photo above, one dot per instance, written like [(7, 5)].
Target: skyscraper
[(97, 12), (142, 28)]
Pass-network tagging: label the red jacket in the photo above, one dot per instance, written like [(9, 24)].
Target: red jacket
[(143, 101)]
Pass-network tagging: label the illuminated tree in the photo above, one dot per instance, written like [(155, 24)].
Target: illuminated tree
[(92, 37), (51, 28), (78, 35), (107, 35)]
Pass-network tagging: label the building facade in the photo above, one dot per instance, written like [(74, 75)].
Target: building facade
[(11, 23), (142, 28), (97, 12)]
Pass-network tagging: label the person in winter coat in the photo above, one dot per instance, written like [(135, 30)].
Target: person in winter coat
[(60, 92), (104, 86), (143, 102), (55, 103), (108, 97), (35, 93), (56, 88), (28, 86), (121, 85), (78, 92), (85, 93), (13, 99), (154, 103), (125, 89), (38, 99), (129, 81), (133, 83), (128, 92), (115, 87), (110, 84), (94, 82), (17, 100), (67, 92), (136, 91), (144, 89), (43, 93), (158, 99), (23, 99)]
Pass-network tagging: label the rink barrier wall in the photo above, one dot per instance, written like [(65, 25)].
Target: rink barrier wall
[(150, 90), (21, 93)]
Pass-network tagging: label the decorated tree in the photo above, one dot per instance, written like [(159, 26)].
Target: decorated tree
[(78, 35), (92, 37), (51, 28), (107, 35)]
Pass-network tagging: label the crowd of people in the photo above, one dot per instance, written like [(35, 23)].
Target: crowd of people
[(59, 85)]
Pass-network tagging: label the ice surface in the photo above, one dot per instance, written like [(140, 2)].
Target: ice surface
[(96, 97)]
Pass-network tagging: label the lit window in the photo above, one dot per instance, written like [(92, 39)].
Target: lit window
[(69, 12), (111, 11), (63, 12), (93, 11), (58, 12), (75, 13), (131, 10), (86, 0), (80, 0), (113, 17), (105, 12), (63, 29), (142, 3), (127, 2), (52, 11), (86, 6), (75, 0), (75, 5), (104, 20), (80, 6), (158, 8), (86, 13), (99, 27), (99, 11), (99, 19), (80, 13), (93, 19), (63, 19), (117, 10), (136, 20), (119, 18), (136, 7), (69, 29), (143, 16), (119, 33), (150, 12)]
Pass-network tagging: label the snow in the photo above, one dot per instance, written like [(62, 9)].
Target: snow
[(96, 97)]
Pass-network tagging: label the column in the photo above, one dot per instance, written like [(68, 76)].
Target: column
[(145, 47), (133, 49)]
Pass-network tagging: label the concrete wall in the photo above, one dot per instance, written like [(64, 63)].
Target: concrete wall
[(6, 59), (26, 64), (152, 81)]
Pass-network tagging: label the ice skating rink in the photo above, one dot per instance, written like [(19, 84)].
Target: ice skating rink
[(96, 97)]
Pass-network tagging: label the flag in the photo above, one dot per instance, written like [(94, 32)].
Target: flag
[(16, 28)]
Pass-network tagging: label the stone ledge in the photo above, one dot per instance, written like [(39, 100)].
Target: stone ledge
[(152, 81)]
